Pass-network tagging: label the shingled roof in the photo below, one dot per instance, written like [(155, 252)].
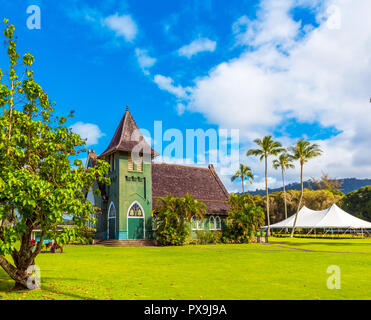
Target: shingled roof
[(127, 136), (203, 183)]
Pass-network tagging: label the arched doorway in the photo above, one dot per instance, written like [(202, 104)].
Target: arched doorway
[(111, 222), (135, 221)]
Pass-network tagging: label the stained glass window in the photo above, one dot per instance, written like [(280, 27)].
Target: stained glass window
[(135, 211)]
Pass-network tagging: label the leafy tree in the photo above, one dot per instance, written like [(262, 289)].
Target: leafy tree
[(244, 173), (359, 203), (313, 199), (284, 162), (326, 182), (38, 184), (303, 151), (188, 207), (244, 219), (173, 216), (267, 147)]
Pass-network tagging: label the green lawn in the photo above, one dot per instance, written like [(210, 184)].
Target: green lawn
[(250, 271)]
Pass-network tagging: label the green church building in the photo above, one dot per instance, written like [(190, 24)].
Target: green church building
[(126, 204)]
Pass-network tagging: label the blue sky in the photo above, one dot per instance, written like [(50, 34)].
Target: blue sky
[(290, 68)]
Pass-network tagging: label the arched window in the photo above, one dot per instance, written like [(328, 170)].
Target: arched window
[(193, 223), (211, 223), (218, 223), (111, 222), (112, 211), (154, 223), (200, 224), (135, 210)]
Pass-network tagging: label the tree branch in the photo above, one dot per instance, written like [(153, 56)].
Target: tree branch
[(8, 267)]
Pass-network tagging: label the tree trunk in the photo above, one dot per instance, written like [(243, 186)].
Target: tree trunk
[(19, 275), (266, 189), (301, 198), (284, 194), (243, 191), (22, 260)]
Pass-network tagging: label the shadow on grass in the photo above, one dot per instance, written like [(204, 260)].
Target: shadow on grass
[(6, 284)]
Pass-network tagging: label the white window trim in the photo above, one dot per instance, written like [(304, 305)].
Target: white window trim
[(212, 218), (193, 222), (142, 217), (199, 221), (110, 218), (220, 223)]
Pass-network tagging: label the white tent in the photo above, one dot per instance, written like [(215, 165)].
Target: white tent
[(333, 217)]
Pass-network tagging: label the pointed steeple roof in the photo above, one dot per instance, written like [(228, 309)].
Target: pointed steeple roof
[(127, 136)]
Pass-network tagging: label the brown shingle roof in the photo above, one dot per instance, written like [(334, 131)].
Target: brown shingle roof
[(127, 136), (203, 183)]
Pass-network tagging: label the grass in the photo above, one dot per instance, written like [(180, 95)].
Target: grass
[(250, 271)]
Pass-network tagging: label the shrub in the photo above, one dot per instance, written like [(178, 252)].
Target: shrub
[(174, 234), (207, 236), (173, 216), (244, 219)]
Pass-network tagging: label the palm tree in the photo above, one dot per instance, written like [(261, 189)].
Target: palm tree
[(183, 209), (267, 147), (303, 151), (244, 173), (284, 162), (189, 207)]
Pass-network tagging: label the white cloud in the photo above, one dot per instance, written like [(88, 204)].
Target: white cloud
[(166, 83), (144, 60), (321, 76), (197, 46), (123, 25), (260, 184), (273, 25), (88, 131), (180, 108)]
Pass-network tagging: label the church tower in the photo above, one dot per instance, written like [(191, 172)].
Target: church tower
[(127, 203)]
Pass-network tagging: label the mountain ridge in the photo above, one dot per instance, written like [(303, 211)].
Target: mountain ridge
[(349, 185)]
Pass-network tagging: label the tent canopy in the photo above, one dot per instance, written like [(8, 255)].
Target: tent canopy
[(333, 217)]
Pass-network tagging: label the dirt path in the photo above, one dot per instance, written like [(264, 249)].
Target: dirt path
[(310, 250)]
